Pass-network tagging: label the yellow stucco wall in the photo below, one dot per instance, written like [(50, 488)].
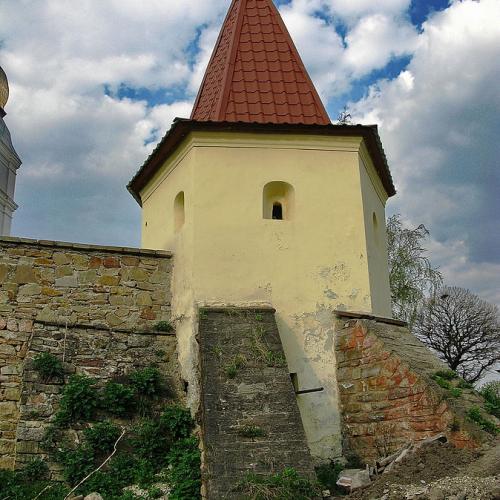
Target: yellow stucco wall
[(227, 253)]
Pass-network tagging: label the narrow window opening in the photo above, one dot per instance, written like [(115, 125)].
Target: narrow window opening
[(179, 214), (277, 211), (278, 201)]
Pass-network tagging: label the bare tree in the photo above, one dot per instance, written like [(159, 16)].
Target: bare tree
[(463, 329), (411, 275)]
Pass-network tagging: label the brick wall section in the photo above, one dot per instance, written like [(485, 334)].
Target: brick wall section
[(46, 282), (386, 393), (259, 395)]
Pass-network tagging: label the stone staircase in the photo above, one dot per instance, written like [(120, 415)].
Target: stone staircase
[(250, 420)]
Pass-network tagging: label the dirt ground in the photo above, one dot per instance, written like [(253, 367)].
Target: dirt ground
[(440, 471)]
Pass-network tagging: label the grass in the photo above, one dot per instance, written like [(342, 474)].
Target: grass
[(252, 431), (285, 485)]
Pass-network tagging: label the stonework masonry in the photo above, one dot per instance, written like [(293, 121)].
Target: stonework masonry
[(387, 395), (95, 307), (250, 419)]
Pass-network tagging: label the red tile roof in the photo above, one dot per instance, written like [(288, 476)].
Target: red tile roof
[(256, 74)]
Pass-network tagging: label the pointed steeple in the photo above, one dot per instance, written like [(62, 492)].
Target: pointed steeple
[(256, 74)]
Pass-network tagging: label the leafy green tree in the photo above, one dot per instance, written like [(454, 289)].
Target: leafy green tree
[(462, 329), (411, 275)]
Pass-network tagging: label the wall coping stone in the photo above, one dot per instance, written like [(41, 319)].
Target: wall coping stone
[(87, 247), (102, 327), (362, 315), (223, 309)]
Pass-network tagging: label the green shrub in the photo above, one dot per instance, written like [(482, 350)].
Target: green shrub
[(328, 475), (103, 482), (150, 441), (446, 374), (123, 467), (15, 486), (231, 371), (177, 421), (146, 382), (102, 436), (184, 470), (275, 359), (48, 366), (455, 392), (236, 364), (491, 395), (79, 400), (463, 384), (445, 384), (76, 463), (476, 416), (36, 470), (286, 485), (164, 326), (118, 399), (144, 473), (251, 431)]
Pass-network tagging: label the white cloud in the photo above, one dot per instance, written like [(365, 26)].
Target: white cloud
[(439, 121), (375, 40), (376, 33), (350, 10)]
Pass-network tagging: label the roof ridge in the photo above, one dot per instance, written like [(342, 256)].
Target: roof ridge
[(226, 89)]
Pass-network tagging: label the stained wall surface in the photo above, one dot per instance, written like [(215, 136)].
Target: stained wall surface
[(76, 301), (306, 267), (388, 396)]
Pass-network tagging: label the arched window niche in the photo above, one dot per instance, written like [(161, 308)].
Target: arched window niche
[(179, 211), (278, 201), (375, 225)]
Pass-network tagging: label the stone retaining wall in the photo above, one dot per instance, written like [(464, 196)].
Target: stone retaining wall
[(387, 395), (49, 289), (101, 354), (250, 418)]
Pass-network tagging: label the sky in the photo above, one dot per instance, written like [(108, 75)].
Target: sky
[(96, 83)]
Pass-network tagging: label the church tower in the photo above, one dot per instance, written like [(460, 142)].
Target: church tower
[(264, 202), (9, 163)]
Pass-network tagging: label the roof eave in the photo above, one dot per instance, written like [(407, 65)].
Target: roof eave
[(182, 127)]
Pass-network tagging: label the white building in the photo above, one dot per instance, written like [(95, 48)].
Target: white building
[(9, 163)]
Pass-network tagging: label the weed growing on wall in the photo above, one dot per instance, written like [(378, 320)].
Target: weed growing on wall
[(252, 431), (48, 366), (79, 400), (328, 475), (262, 351), (236, 364), (449, 380), (164, 326), (286, 485), (184, 469), (155, 448), (491, 395), (22, 484), (475, 415), (36, 470), (118, 399), (177, 421), (102, 436)]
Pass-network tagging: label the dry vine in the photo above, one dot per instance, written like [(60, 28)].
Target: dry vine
[(98, 468)]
